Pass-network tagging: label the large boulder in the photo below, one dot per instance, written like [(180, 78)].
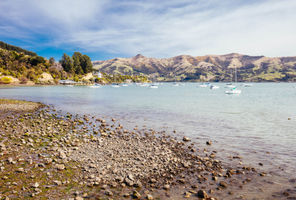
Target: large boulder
[(45, 78)]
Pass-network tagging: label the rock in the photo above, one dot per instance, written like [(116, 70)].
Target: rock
[(78, 198), (56, 182), (187, 194), (35, 185), (109, 193), (209, 142), (166, 187), (60, 166), (138, 184), (10, 160), (223, 184), (62, 155), (181, 180), (202, 194), (126, 195), (186, 139), (149, 197), (20, 170), (136, 194), (153, 180), (262, 174)]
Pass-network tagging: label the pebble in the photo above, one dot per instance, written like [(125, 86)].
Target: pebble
[(223, 184), (202, 194), (35, 185), (186, 139), (60, 166), (166, 187), (20, 170), (136, 194), (149, 197)]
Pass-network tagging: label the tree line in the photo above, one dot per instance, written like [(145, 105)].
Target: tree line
[(77, 64), (9, 47)]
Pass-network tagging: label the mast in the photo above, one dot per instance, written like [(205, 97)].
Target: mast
[(235, 74)]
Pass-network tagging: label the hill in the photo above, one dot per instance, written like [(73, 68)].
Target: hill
[(9, 47), (204, 68)]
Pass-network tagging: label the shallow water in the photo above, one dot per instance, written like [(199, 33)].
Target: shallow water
[(259, 124)]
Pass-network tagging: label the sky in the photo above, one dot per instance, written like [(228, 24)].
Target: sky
[(105, 29)]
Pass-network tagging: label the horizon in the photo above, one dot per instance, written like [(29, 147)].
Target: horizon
[(123, 29)]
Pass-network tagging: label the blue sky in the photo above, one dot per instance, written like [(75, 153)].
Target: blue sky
[(105, 29)]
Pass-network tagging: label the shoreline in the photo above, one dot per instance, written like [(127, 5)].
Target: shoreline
[(86, 157)]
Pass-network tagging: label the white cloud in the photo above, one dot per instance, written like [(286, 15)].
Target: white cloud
[(160, 28)]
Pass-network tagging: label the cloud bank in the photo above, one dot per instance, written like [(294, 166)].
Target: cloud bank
[(108, 28)]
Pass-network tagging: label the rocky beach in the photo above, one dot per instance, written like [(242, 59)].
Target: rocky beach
[(47, 154)]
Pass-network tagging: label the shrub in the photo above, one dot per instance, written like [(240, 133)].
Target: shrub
[(6, 80), (23, 80)]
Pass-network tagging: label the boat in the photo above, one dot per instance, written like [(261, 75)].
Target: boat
[(204, 85), (214, 87), (247, 85), (124, 85), (153, 86), (230, 86), (233, 88), (116, 85), (143, 85), (233, 91), (95, 86), (176, 84)]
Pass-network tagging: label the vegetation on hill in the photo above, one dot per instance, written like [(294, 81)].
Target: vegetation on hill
[(118, 78), (9, 47), (22, 66), (204, 68)]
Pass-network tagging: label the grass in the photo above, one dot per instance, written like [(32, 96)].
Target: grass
[(12, 101)]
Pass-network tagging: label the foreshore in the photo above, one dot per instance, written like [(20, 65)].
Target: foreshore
[(47, 155)]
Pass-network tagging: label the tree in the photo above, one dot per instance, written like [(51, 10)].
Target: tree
[(86, 64), (35, 60), (77, 56), (51, 60), (67, 63)]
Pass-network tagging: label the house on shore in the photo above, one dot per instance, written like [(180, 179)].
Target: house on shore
[(98, 74)]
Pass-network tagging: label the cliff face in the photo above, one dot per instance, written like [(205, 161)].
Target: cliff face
[(204, 68)]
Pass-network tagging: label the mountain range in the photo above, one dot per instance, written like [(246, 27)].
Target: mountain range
[(204, 68)]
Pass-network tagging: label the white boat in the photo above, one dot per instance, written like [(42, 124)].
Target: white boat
[(95, 86), (203, 85), (230, 86), (233, 91), (247, 85), (153, 86), (70, 85), (124, 85), (144, 85), (214, 87), (115, 85), (176, 84)]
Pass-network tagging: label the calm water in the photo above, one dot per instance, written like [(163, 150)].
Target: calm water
[(254, 124)]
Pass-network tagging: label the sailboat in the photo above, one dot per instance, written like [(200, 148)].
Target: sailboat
[(234, 90)]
